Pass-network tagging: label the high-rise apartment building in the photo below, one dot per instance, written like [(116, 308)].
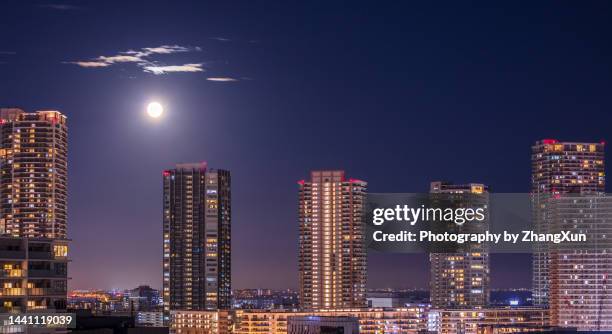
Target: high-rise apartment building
[(580, 282), (33, 212), (332, 251), (33, 174), (559, 168), (197, 238), (461, 279)]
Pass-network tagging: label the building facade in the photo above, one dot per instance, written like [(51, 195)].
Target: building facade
[(371, 320), (460, 279), (322, 325), (407, 320), (473, 321), (332, 251), (149, 319), (33, 174), (200, 322), (197, 238), (559, 168), (580, 286), (33, 275)]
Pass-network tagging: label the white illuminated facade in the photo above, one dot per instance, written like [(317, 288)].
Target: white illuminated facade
[(332, 252)]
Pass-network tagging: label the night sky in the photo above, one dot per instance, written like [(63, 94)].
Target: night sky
[(398, 94)]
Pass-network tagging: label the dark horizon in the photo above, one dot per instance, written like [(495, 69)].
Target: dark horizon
[(396, 94)]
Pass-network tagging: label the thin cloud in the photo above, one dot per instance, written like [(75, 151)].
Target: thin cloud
[(143, 58), (58, 6), (222, 79), (167, 49), (221, 39), (158, 70), (88, 64), (119, 59)]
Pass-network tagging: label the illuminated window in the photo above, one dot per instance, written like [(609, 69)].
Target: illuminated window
[(60, 250)]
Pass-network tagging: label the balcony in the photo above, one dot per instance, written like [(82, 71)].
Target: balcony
[(12, 255), (11, 273), (46, 292), (12, 292), (40, 255), (43, 273)]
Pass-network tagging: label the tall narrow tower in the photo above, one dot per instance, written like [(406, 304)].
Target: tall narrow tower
[(461, 279), (559, 168), (332, 253), (197, 238)]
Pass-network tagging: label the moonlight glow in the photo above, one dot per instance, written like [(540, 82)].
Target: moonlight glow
[(155, 109)]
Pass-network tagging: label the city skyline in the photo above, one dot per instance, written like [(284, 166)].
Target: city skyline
[(400, 101)]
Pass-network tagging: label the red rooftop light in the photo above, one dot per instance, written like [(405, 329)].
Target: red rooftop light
[(166, 173), (549, 141), (301, 182)]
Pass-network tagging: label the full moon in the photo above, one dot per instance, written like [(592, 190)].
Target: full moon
[(155, 109)]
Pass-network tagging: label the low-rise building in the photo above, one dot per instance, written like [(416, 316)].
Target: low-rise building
[(200, 322), (371, 321), (470, 321), (323, 325), (150, 319)]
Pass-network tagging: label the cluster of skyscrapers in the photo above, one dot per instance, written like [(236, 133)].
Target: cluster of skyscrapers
[(568, 192)]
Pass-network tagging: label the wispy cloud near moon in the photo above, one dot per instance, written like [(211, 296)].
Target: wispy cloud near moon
[(167, 49), (222, 79), (89, 64), (144, 58), (157, 70)]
